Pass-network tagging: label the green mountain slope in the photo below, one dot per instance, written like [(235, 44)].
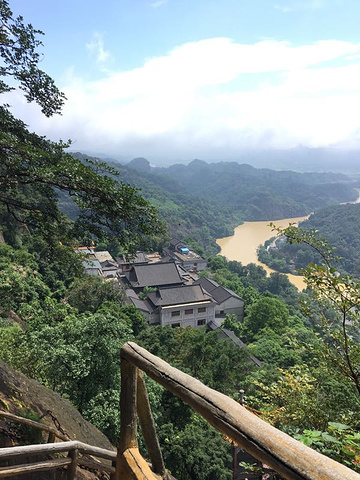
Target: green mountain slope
[(340, 225), (206, 201)]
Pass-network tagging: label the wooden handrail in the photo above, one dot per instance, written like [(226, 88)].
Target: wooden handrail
[(290, 458), (54, 464), (58, 447), (72, 447), (287, 456), (31, 423)]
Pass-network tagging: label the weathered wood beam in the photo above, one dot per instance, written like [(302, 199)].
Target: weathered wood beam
[(71, 471), (128, 423), (135, 467), (86, 462), (284, 454), (58, 447), (96, 451), (148, 427), (7, 472), (32, 423)]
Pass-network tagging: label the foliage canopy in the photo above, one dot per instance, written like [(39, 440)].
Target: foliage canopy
[(33, 169)]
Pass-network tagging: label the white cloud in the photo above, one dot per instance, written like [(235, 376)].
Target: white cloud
[(96, 49), (158, 3), (213, 97)]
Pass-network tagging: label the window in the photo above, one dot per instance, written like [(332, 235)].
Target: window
[(176, 313), (201, 309), (201, 322), (174, 325), (189, 311)]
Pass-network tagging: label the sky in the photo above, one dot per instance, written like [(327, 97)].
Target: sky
[(174, 80)]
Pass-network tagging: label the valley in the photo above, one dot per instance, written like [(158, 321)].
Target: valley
[(243, 245)]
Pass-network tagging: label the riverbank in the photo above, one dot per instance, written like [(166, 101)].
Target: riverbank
[(242, 246)]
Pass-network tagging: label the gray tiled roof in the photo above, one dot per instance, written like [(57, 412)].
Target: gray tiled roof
[(140, 304), (154, 274), (217, 291), (178, 295), (174, 241), (109, 264), (221, 294), (140, 257), (91, 263), (207, 284)]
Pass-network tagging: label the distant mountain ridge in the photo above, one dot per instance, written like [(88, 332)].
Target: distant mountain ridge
[(206, 201), (298, 159)]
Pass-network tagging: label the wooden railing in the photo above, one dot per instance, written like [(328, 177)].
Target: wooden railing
[(290, 458), (52, 432), (73, 449)]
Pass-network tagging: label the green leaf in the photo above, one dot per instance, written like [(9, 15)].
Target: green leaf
[(338, 426), (329, 438), (306, 441)]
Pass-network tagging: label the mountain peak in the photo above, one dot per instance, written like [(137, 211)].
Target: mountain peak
[(140, 163), (196, 163)]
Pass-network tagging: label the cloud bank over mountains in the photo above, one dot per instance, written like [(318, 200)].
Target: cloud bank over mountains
[(210, 99)]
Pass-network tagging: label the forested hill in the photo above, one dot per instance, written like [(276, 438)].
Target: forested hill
[(206, 201), (340, 225), (262, 194)]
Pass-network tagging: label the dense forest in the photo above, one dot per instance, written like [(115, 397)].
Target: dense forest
[(206, 201), (340, 225), (65, 329), (54, 319)]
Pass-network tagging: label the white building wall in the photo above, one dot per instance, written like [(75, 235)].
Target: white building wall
[(187, 319), (231, 306)]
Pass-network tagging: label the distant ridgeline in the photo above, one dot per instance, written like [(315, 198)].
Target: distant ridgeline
[(340, 225), (206, 201)]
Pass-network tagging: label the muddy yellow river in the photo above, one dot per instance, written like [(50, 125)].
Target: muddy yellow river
[(247, 237)]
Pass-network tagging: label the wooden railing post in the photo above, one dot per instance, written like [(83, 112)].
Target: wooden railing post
[(148, 427), (113, 474), (73, 454), (128, 424), (51, 437), (287, 456)]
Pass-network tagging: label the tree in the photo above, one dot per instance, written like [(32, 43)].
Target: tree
[(292, 401), (339, 442), (88, 293), (78, 357), (273, 349), (342, 292), (267, 312), (20, 282), (137, 321), (33, 169), (20, 58), (196, 451)]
